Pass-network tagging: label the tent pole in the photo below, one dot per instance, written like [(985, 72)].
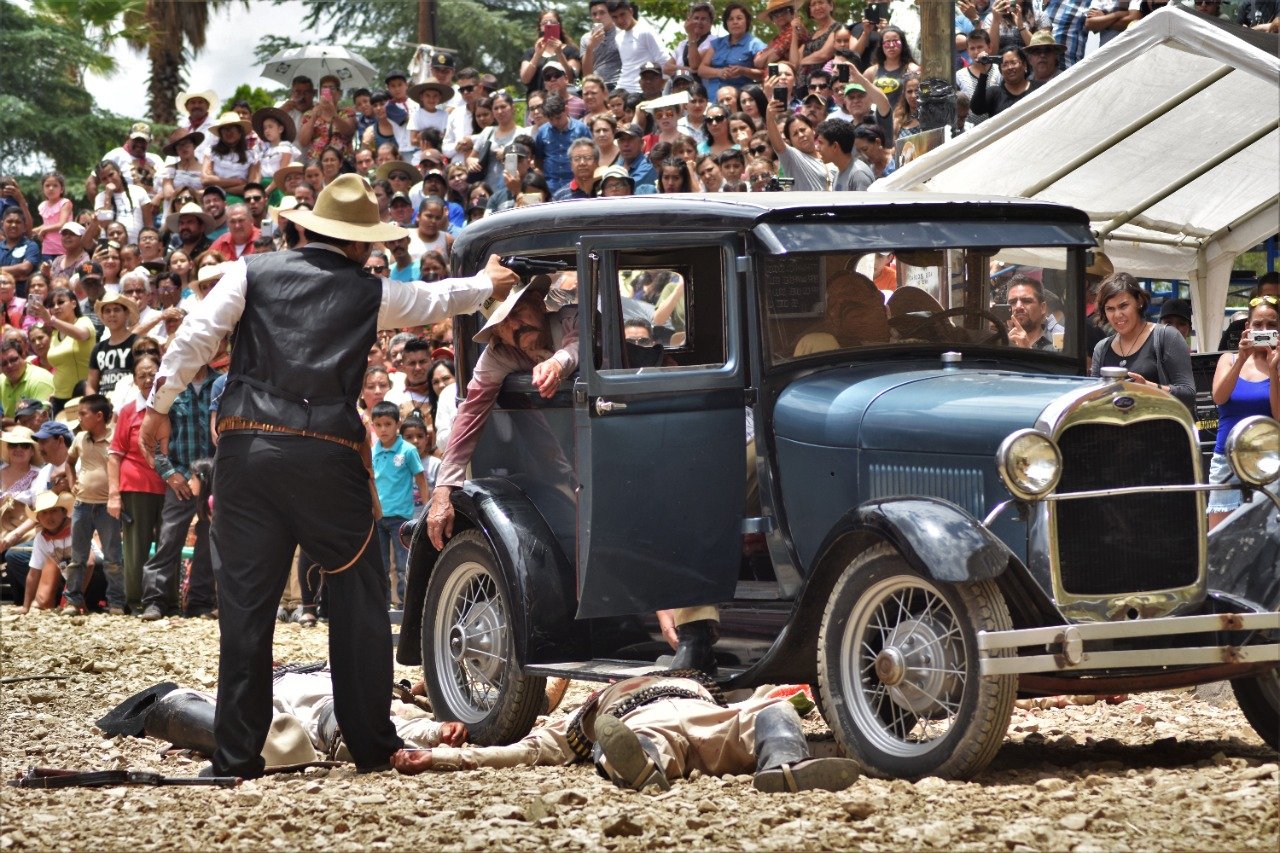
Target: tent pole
[(1130, 128), (1235, 223), (1205, 167)]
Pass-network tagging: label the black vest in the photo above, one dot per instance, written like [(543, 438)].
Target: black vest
[(302, 344)]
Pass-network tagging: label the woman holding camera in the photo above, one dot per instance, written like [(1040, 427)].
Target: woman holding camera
[(1152, 354), (552, 45), (1246, 383)]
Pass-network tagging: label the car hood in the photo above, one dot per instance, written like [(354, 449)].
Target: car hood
[(954, 410)]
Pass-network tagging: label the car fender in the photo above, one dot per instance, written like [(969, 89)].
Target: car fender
[(938, 538), (538, 574)]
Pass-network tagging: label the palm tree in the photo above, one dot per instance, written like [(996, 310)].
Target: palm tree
[(173, 31)]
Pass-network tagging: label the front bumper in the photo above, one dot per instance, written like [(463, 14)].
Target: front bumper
[(1065, 652)]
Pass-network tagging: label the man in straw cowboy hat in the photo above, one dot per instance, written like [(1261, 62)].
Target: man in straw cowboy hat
[(290, 464)]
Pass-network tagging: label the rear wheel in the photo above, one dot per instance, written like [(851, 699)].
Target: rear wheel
[(1259, 701), (468, 649), (898, 670)]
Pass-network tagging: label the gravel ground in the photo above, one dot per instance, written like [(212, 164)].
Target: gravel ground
[(1162, 771)]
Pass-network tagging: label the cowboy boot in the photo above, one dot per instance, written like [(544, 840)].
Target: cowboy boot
[(185, 719), (782, 757), (694, 650), (633, 760)]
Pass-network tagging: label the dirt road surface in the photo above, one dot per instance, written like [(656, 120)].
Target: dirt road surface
[(1168, 771)]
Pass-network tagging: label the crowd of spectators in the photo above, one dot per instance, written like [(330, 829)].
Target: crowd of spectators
[(91, 296)]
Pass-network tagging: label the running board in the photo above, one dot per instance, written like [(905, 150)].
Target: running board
[(612, 670)]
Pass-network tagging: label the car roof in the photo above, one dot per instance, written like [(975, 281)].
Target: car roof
[(691, 211)]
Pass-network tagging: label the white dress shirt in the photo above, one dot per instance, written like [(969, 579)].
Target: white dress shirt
[(415, 303)]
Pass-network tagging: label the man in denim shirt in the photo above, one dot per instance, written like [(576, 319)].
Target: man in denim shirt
[(551, 142), (188, 441)]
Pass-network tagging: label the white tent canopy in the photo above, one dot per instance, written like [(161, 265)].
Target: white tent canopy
[(1167, 137)]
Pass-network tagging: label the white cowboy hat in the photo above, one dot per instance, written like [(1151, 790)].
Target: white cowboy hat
[(287, 743), (348, 210), (231, 120), (117, 298), (210, 274), (181, 101), (50, 500), (539, 284), (188, 209)]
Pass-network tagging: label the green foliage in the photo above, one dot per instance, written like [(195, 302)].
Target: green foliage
[(255, 95), (50, 120)]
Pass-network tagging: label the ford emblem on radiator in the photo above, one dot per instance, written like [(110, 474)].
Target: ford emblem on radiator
[(1123, 403)]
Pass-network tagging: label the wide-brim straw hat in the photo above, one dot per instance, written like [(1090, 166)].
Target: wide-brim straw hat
[(116, 298), (286, 121), (51, 500), (348, 210), (287, 743), (170, 148), (208, 94), (384, 171), (231, 120), (416, 90), (539, 284), (188, 209), (773, 6), (1044, 38)]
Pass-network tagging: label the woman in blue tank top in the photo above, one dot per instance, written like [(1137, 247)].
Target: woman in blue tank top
[(1246, 383)]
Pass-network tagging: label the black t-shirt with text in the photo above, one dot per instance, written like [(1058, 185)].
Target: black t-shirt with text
[(113, 362)]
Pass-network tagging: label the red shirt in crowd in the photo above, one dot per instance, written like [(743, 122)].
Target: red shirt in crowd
[(135, 474)]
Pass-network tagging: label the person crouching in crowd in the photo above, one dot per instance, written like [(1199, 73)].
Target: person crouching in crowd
[(50, 552)]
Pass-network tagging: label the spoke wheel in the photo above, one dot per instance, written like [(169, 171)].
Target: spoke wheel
[(898, 670), (1259, 701), (468, 652)]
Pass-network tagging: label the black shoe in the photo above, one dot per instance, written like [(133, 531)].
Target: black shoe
[(695, 649)]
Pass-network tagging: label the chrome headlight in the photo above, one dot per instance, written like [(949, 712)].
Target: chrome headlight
[(1029, 463), (1253, 449)]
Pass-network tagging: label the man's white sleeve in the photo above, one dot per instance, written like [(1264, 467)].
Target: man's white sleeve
[(198, 337), (418, 303)]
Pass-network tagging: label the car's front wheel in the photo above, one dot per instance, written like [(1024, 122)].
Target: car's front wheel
[(898, 670), (468, 649), (1259, 701)]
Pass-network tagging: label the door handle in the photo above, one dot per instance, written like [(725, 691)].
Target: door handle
[(604, 407)]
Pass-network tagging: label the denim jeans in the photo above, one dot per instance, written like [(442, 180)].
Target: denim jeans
[(85, 519), (389, 535)]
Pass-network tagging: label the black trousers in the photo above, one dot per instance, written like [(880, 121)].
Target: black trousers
[(273, 493)]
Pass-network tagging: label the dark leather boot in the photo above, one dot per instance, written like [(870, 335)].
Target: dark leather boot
[(185, 719), (695, 648), (782, 756), (633, 760)]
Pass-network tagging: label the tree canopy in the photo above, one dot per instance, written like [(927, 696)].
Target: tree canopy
[(50, 120)]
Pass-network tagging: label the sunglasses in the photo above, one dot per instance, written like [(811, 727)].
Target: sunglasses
[(135, 292), (758, 150), (551, 75), (664, 112), (1261, 300), (716, 119), (375, 268), (466, 89), (251, 198)]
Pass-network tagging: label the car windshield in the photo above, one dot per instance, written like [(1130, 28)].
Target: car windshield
[(974, 297)]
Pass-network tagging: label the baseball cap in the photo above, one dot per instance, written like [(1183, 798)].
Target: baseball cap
[(74, 227), (682, 76), (399, 74), (552, 64), (855, 87), (650, 67), (441, 60), (212, 188), (404, 197), (519, 149), (28, 407), (50, 429), (140, 130), (1176, 308), (631, 129), (90, 269)]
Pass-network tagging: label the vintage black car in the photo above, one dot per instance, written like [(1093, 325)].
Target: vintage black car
[(831, 436)]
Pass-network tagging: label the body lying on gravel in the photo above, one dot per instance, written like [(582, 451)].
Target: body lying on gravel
[(648, 730)]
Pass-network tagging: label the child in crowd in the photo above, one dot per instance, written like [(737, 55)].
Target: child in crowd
[(421, 435), (89, 453), (49, 552), (397, 468), (55, 211)]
